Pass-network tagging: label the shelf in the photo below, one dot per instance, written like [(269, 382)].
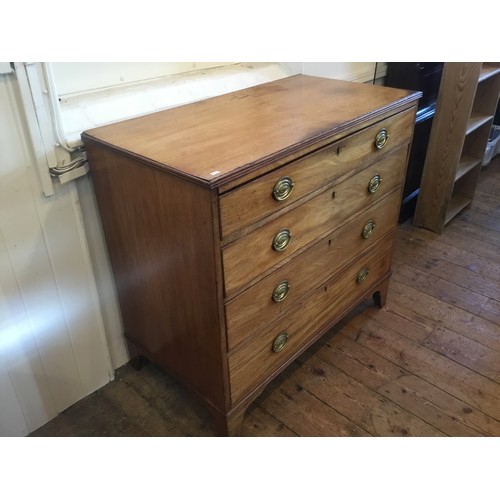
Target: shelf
[(487, 70), (467, 163), (476, 120), (457, 204), (460, 129)]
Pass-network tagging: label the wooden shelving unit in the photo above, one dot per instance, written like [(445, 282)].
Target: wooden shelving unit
[(468, 96)]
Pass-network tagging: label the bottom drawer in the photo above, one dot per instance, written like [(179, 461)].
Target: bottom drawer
[(273, 347)]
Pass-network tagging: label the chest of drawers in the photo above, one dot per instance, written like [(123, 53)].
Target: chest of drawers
[(243, 227)]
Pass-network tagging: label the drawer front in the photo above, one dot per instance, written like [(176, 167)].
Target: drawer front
[(280, 291), (284, 186), (270, 350), (253, 256)]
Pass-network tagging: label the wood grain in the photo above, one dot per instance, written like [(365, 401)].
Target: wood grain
[(473, 389), (409, 392), (307, 415), (369, 409)]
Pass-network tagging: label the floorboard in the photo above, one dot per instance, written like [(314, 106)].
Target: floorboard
[(428, 364)]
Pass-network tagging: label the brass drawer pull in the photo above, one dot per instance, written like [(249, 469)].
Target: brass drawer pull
[(374, 183), (381, 138), (281, 291), (362, 275), (283, 189), (282, 239), (280, 341), (368, 229)]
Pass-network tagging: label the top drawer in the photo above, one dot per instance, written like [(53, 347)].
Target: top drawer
[(284, 186)]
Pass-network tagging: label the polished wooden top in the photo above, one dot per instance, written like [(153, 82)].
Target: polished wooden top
[(213, 140)]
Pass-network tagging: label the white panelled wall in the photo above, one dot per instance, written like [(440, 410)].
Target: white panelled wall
[(53, 349), (60, 326)]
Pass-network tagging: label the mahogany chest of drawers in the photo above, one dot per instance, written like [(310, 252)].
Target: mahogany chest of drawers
[(243, 227)]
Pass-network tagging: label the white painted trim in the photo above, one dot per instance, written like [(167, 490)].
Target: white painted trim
[(37, 143), (94, 296)]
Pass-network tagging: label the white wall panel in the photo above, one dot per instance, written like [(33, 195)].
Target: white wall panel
[(12, 421), (22, 390), (26, 246), (15, 333), (52, 344), (68, 254)]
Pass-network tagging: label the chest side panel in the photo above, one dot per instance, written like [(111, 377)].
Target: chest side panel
[(159, 235)]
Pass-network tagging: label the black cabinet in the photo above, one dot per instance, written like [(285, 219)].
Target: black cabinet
[(426, 77)]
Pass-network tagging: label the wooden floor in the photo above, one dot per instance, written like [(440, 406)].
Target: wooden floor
[(428, 364)]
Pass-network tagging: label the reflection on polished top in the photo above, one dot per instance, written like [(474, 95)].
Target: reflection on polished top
[(208, 141)]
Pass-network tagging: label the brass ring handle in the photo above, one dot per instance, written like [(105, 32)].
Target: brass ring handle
[(374, 183), (362, 275), (381, 138), (282, 239), (281, 291), (280, 341), (368, 229), (283, 189)]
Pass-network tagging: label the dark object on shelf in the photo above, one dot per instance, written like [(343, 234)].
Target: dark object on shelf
[(426, 77)]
